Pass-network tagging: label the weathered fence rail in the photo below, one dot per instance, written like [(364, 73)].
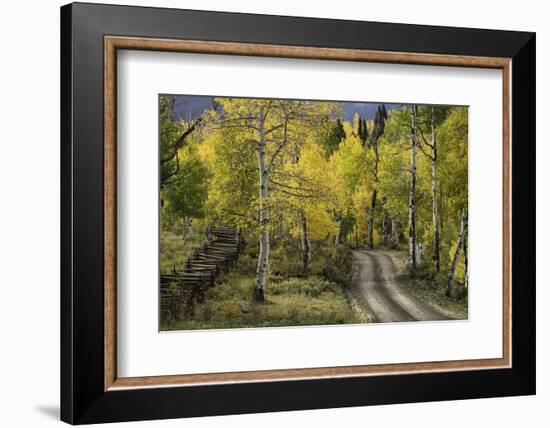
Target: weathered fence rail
[(185, 286)]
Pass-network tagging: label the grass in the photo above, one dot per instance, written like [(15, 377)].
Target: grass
[(175, 250), (294, 297), (431, 288)]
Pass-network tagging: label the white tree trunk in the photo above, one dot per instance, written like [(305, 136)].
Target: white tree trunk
[(412, 194), (437, 262), (459, 246), (465, 249), (186, 228), (419, 253), (263, 257), (306, 248)]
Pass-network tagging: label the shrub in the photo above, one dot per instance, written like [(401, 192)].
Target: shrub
[(313, 286), (286, 260), (459, 292), (335, 264)]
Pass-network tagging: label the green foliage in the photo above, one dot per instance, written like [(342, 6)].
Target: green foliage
[(453, 141), (186, 194), (335, 264), (331, 135), (233, 184), (350, 161)]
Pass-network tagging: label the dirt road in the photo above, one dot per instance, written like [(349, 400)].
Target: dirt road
[(388, 300)]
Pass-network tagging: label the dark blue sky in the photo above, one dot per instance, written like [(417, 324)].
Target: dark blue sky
[(191, 106)]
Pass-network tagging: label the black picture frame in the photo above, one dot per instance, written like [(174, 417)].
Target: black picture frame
[(83, 398)]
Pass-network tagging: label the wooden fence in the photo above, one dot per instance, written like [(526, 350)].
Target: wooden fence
[(181, 289)]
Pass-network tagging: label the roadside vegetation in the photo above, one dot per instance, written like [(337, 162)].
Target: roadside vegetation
[(318, 296), (430, 287)]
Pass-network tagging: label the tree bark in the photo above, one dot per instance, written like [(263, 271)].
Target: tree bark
[(385, 227), (394, 233), (465, 248), (173, 155), (282, 229), (436, 255), (440, 208), (338, 237), (370, 225), (263, 257), (412, 194), (306, 248), (456, 256)]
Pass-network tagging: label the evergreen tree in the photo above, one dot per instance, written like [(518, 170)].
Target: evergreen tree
[(333, 136)]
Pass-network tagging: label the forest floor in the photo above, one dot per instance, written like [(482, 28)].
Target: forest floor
[(338, 287), (294, 297)]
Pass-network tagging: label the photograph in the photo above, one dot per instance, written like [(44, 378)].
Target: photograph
[(259, 215), (285, 212)]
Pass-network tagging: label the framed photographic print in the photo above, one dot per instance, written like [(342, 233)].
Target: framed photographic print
[(266, 213)]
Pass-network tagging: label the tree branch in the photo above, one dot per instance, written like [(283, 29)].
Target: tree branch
[(424, 138), (178, 144), (164, 180), (301, 189), (280, 146), (425, 153)]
